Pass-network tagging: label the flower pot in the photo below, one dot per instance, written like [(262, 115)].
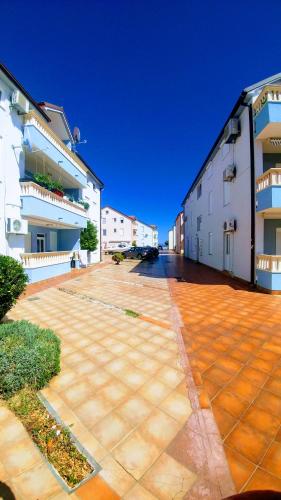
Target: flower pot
[(58, 192)]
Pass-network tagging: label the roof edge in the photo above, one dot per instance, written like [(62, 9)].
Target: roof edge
[(13, 79)]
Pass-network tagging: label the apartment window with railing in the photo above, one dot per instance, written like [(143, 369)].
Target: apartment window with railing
[(226, 192)]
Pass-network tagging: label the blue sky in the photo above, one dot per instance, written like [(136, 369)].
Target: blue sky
[(149, 83)]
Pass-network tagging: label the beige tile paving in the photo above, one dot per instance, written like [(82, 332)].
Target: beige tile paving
[(121, 384)]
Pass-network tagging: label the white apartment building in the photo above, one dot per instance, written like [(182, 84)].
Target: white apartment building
[(118, 228), (172, 238), (47, 191), (232, 211)]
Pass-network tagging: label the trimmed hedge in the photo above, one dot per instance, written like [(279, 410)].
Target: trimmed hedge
[(13, 281), (29, 356)]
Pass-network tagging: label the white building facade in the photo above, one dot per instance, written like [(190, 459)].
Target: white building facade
[(47, 192), (116, 228), (119, 228), (232, 211)]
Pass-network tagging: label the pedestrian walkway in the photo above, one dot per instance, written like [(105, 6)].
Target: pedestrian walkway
[(125, 389), (233, 339)]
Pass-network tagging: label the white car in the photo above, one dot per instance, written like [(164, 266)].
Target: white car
[(120, 247)]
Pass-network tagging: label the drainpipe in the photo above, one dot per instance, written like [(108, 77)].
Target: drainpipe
[(253, 198)]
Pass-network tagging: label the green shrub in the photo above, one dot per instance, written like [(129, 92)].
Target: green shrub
[(89, 237), (13, 281), (29, 356), (118, 257)]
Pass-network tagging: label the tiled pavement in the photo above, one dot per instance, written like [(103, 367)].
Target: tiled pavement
[(126, 390), (233, 339)]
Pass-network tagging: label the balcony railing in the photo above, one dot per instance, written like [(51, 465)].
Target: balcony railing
[(33, 189), (270, 93), (45, 138), (271, 177), (34, 260), (269, 263)]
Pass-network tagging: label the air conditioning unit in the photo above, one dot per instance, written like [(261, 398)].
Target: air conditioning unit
[(20, 102), (231, 131), (230, 225), (229, 173), (17, 226)]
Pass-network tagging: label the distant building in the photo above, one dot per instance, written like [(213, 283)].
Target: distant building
[(179, 243), (172, 238), (118, 228)]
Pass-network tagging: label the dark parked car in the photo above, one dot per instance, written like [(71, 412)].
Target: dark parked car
[(138, 253), (154, 251)]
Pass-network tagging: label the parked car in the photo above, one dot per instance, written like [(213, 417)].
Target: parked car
[(138, 253), (160, 247), (120, 247), (154, 250)]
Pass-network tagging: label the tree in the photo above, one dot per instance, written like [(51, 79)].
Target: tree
[(166, 243), (134, 243), (89, 237)]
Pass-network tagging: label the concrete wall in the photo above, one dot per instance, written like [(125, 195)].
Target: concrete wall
[(214, 209)]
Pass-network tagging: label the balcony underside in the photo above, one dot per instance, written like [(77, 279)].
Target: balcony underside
[(38, 142), (34, 208)]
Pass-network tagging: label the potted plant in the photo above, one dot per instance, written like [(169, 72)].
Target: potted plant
[(117, 258), (43, 180), (57, 188), (89, 239)]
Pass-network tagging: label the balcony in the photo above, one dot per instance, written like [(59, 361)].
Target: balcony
[(41, 266), (39, 137), (267, 113), (40, 203), (268, 189), (269, 272)]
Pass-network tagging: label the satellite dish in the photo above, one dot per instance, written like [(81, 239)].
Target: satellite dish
[(76, 134)]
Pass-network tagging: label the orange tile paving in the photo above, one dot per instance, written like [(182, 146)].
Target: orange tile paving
[(233, 339), (126, 389)]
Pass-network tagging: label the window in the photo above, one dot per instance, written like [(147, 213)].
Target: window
[(199, 220), (227, 244), (210, 202), (40, 242), (104, 232), (210, 243), (104, 220), (226, 193), (114, 220), (199, 190), (94, 186), (122, 221), (114, 230), (107, 212)]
